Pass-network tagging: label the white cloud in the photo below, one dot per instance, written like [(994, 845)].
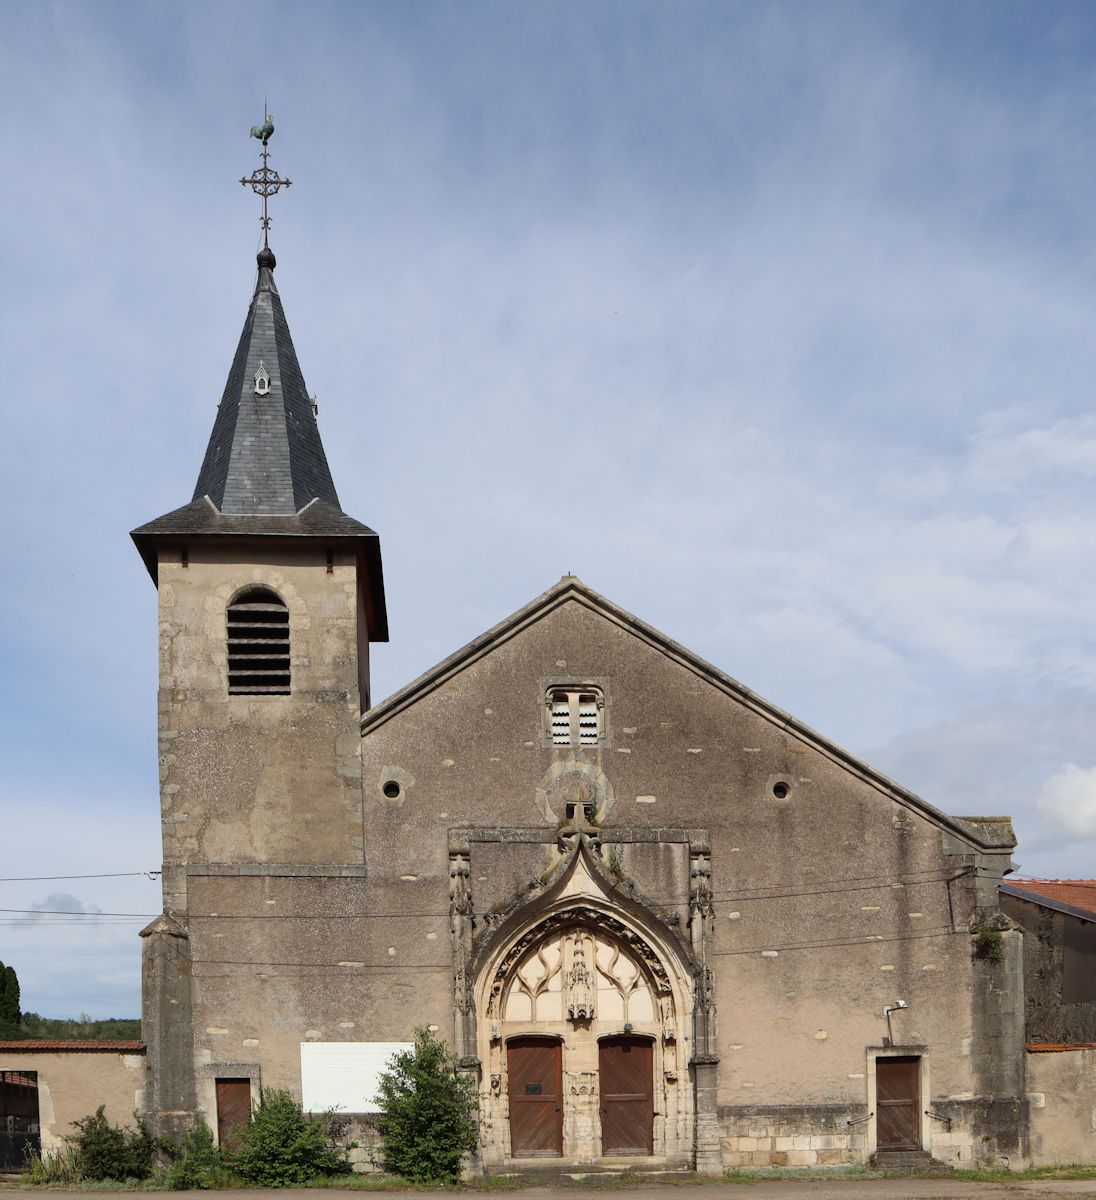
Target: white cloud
[(1068, 798), (1036, 454), (63, 903)]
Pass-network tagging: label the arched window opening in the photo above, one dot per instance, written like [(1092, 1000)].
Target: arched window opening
[(258, 644)]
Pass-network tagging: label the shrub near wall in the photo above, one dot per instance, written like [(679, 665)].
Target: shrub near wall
[(428, 1121), (195, 1161), (106, 1151), (281, 1147)]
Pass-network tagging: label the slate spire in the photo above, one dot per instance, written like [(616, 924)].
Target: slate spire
[(265, 474), (265, 455), (265, 481)]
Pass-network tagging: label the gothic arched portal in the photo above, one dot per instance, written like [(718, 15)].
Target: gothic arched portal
[(586, 990)]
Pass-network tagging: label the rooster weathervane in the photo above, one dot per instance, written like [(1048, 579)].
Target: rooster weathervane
[(264, 181)]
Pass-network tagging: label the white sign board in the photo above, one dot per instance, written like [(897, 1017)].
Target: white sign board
[(343, 1075)]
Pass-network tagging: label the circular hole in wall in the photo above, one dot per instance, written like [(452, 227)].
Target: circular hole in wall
[(780, 789), (391, 789)]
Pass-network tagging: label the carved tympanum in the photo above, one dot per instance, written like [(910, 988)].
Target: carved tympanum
[(610, 931), (580, 974)]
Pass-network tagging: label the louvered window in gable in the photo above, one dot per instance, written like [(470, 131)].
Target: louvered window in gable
[(575, 716), (258, 644)]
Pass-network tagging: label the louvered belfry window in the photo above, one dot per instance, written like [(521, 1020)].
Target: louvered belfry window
[(574, 716), (258, 644)]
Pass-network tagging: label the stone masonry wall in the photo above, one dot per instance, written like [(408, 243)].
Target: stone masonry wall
[(820, 1135), (1062, 1094)]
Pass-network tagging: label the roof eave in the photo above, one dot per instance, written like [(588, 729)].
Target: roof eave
[(366, 545), (1018, 892)]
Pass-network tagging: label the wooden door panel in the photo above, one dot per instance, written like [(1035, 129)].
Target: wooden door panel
[(233, 1109), (535, 1083), (898, 1103), (627, 1095)]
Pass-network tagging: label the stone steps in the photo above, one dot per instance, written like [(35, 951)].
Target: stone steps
[(579, 1173), (909, 1162)]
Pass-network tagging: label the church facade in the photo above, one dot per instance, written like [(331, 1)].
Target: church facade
[(658, 920)]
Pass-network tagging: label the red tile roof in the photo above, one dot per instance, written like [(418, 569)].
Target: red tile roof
[(1080, 893), (71, 1046), (1057, 1047)]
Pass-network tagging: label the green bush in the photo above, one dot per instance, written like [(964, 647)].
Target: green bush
[(195, 1161), (281, 1146), (106, 1151), (428, 1122)]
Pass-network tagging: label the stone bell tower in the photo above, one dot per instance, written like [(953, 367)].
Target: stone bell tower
[(269, 595)]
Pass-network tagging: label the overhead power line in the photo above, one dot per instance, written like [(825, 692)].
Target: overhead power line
[(349, 966), (48, 918), (828, 943), (750, 893), (745, 891), (729, 898), (72, 912), (720, 898), (109, 875)]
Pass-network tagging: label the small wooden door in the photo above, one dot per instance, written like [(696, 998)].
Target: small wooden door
[(233, 1109), (898, 1103), (535, 1082), (627, 1095)]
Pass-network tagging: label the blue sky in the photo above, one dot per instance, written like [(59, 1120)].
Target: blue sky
[(774, 322)]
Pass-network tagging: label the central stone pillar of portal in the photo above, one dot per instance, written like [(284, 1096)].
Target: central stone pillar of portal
[(581, 1127)]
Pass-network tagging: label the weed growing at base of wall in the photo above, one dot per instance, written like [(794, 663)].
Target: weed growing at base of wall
[(990, 945), (51, 1168), (429, 1109), (195, 1161)]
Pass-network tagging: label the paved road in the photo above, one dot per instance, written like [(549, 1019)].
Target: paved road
[(791, 1189)]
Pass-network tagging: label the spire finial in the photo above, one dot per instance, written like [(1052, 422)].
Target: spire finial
[(264, 181)]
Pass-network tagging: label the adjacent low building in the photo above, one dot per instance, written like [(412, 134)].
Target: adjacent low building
[(1058, 918), (47, 1085)]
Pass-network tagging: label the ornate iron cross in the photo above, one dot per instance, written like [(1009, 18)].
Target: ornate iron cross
[(264, 181)]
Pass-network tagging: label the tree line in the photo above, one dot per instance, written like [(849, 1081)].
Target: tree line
[(16, 1025)]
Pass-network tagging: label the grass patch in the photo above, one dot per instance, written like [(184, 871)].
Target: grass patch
[(95, 1185), (608, 1182), (806, 1174), (621, 1181), (1003, 1175), (742, 1176), (396, 1183), (226, 1181), (371, 1183)]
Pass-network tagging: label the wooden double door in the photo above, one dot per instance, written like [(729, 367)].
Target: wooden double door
[(625, 1085)]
